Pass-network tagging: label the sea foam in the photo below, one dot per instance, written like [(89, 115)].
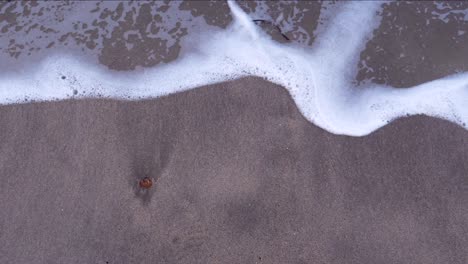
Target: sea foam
[(319, 79)]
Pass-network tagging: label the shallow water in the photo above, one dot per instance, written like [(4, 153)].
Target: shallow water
[(319, 73)]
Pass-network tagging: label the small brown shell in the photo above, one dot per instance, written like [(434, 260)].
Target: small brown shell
[(146, 183)]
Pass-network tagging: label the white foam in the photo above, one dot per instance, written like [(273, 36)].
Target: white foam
[(318, 78)]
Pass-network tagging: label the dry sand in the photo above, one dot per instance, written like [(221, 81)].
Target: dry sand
[(241, 177)]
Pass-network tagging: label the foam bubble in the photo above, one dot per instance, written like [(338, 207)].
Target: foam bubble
[(319, 79)]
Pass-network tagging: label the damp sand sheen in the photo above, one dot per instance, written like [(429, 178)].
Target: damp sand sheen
[(318, 78)]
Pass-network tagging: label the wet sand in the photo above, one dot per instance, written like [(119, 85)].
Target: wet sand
[(241, 177)]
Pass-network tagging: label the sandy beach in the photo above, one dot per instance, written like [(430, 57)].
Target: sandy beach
[(236, 182), (240, 175)]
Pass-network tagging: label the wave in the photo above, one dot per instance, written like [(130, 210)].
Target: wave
[(320, 78)]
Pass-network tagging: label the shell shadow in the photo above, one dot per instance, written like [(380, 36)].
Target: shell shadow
[(150, 159)]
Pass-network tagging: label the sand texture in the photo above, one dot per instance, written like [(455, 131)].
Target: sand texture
[(241, 177)]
